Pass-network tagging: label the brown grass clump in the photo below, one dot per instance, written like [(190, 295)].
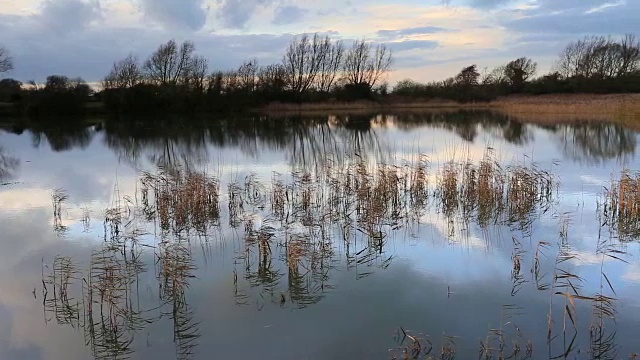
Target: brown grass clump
[(621, 208), (489, 194), (184, 201), (527, 188)]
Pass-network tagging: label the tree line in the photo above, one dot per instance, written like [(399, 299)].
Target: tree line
[(594, 64), (315, 68), (174, 78)]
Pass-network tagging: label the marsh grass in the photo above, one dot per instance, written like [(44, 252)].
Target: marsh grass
[(58, 198), (60, 302), (294, 229), (183, 200), (620, 208), (489, 194)]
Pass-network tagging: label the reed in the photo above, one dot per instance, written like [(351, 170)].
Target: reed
[(621, 206), (183, 201)]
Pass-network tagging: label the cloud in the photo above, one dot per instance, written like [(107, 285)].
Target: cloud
[(391, 34), (91, 53), (576, 18), (412, 45), (288, 15), (63, 16), (186, 14), (236, 13), (489, 4)]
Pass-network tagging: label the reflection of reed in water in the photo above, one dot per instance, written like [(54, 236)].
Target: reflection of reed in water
[(65, 309), (58, 197), (176, 267)]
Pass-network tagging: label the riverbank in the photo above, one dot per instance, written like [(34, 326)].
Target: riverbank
[(552, 109), (626, 104)]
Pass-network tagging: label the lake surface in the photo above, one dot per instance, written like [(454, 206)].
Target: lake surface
[(370, 237)]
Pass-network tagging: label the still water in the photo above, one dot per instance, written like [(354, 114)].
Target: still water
[(372, 237)]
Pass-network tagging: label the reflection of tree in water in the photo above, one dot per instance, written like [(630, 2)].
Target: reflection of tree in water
[(63, 138), (467, 123), (164, 146), (310, 142), (596, 143)]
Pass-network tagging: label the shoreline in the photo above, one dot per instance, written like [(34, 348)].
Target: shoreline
[(548, 109), (552, 103)]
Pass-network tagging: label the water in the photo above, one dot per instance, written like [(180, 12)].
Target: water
[(88, 269)]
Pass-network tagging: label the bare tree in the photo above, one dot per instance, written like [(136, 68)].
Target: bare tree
[(125, 73), (6, 61), (167, 66), (215, 83), (230, 82), (272, 78), (331, 66), (365, 64), (303, 61), (600, 57), (247, 73), (629, 55), (356, 62), (195, 75), (571, 59)]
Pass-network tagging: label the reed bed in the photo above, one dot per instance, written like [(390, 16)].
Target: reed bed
[(620, 208), (295, 230), (183, 200), (489, 194), (555, 109)]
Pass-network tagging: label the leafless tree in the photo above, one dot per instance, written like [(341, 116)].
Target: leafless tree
[(494, 76), (272, 78), (230, 82), (247, 73), (600, 57), (331, 66), (215, 83), (365, 64), (195, 75), (125, 73), (303, 61), (6, 61), (167, 66), (571, 59), (629, 54)]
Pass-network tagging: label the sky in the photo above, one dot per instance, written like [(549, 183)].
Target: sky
[(430, 39)]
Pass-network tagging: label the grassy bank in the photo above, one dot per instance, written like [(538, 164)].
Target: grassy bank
[(547, 109), (556, 103)]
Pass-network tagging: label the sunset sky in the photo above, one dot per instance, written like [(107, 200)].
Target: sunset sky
[(431, 40)]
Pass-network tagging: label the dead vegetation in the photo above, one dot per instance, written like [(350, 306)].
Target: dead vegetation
[(298, 230)]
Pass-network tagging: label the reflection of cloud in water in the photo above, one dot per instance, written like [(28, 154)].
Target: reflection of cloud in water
[(8, 165), (632, 274)]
